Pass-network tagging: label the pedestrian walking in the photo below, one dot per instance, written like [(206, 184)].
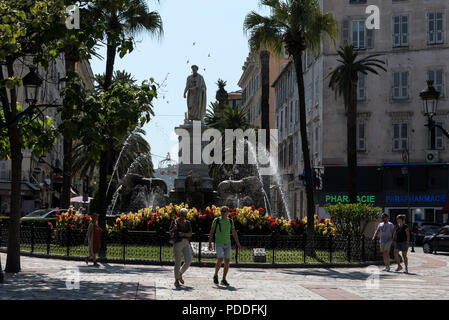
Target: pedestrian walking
[(386, 230), (222, 227), (181, 230), (401, 240), (93, 239)]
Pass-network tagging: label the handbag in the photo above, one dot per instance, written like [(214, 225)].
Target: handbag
[(173, 233)]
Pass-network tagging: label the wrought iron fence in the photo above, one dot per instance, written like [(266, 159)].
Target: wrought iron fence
[(150, 247)]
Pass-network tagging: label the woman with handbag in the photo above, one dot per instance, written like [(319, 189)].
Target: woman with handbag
[(93, 239), (181, 230)]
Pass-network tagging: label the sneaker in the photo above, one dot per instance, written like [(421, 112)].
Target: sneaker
[(386, 269), (224, 283), (177, 285), (215, 279), (399, 268), (406, 270)]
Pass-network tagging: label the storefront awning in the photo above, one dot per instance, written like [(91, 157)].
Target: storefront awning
[(27, 189)]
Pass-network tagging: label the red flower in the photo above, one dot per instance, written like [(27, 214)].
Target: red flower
[(322, 220), (253, 207), (50, 224), (261, 210), (57, 211)]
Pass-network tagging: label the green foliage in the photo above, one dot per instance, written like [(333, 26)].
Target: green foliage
[(344, 77), (37, 133), (297, 24), (108, 115), (349, 218)]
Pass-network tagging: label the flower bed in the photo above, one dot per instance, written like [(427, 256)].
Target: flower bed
[(248, 220), (72, 220)]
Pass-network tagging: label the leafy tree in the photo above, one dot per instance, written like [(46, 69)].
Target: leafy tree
[(122, 19), (298, 25), (76, 45), (344, 80), (108, 115), (27, 29)]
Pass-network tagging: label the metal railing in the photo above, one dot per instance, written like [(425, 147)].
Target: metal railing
[(151, 247)]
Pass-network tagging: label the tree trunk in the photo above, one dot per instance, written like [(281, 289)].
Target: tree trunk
[(265, 108), (110, 59), (352, 144), (10, 111), (297, 59), (103, 184), (70, 61)]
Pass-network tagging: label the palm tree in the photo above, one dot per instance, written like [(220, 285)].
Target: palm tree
[(136, 148), (344, 80), (222, 119), (298, 25), (123, 19)]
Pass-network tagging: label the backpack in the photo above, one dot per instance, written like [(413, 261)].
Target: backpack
[(218, 223)]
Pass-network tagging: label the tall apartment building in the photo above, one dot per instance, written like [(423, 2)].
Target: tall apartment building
[(413, 41), (41, 177), (251, 84)]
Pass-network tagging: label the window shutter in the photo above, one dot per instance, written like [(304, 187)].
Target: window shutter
[(345, 32), (439, 27), (404, 31), (396, 31), (404, 93), (370, 39), (396, 83), (430, 28)]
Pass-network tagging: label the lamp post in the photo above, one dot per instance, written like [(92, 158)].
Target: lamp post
[(430, 98), (406, 171), (32, 82)]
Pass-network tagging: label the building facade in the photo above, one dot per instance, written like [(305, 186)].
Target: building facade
[(42, 177), (395, 170)]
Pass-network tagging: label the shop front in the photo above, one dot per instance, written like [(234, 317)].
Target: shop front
[(424, 207)]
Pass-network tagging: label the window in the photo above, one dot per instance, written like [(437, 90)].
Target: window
[(317, 91), (4, 170), (290, 153), (316, 140), (355, 33), (358, 34), (361, 140), (437, 77), (438, 137), (361, 91), (400, 136), (400, 85), (435, 28), (400, 31), (291, 111), (296, 111)]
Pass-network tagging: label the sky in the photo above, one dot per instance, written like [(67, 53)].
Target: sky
[(208, 33)]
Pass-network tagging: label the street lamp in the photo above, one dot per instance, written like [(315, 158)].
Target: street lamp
[(32, 82), (430, 98)]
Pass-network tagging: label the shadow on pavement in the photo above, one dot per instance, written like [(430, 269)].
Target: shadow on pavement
[(184, 288), (331, 273), (38, 286), (107, 268)]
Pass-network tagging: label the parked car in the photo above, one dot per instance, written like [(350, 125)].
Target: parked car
[(41, 217), (439, 241), (426, 229)]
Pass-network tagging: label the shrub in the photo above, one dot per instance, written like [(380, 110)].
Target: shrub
[(349, 218)]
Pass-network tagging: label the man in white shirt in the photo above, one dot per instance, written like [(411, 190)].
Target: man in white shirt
[(386, 230)]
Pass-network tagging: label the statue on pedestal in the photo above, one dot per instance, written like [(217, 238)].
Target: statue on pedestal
[(195, 92)]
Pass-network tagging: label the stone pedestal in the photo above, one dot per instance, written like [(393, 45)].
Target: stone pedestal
[(191, 165), (191, 161)]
